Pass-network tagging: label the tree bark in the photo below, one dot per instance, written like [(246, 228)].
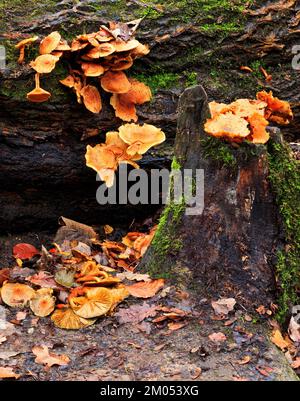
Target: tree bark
[(228, 249)]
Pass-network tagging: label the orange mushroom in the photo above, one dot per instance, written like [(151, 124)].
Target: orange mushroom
[(62, 46), (77, 45), (91, 98), (21, 46), (140, 51), (125, 111), (258, 126), (102, 50), (44, 64), (16, 295), (92, 69), (115, 82), (66, 319), (90, 268), (119, 63), (100, 157), (118, 294), (227, 125), (140, 138), (38, 95), (246, 107), (96, 302), (69, 81), (43, 303), (103, 35), (50, 43)]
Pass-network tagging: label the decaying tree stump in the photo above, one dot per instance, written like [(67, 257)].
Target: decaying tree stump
[(228, 249)]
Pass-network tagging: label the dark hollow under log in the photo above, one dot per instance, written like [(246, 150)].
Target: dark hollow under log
[(229, 248)]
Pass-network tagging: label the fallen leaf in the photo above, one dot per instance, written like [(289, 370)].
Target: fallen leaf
[(217, 337), (278, 340), (133, 276), (24, 251), (245, 360), (4, 275), (146, 289), (294, 330), (8, 354), (223, 306), (8, 373), (159, 347), (136, 313), (176, 326), (44, 357), (21, 315)]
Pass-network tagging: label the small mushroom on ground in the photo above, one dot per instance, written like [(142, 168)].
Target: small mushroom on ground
[(50, 43), (44, 64), (43, 302), (21, 46), (16, 295), (115, 82), (95, 303), (91, 98), (38, 95), (66, 319), (141, 138)]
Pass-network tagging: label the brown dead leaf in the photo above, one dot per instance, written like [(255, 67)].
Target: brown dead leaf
[(133, 276), (44, 357), (8, 373), (159, 347), (223, 306), (294, 330), (217, 337), (43, 279), (278, 340), (245, 360), (145, 289), (197, 373)]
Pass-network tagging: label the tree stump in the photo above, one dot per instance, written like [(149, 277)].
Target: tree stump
[(228, 249)]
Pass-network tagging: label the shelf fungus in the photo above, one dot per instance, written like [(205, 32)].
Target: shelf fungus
[(246, 119), (43, 302), (16, 295), (38, 95), (115, 82), (21, 46)]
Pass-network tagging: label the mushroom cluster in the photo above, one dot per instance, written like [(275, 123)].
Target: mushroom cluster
[(96, 60), (80, 289), (246, 119), (127, 145)]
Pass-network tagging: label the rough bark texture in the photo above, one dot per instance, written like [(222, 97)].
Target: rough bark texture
[(226, 250), (41, 155)]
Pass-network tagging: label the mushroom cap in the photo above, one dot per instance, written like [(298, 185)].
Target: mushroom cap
[(100, 157), (92, 69), (140, 51), (108, 176), (98, 281), (38, 95), (16, 295), (115, 82), (139, 93), (50, 43), (114, 142), (63, 46), (246, 107), (125, 111), (91, 98), (44, 64), (120, 63), (279, 110), (118, 293), (69, 81), (103, 36), (78, 45), (258, 128), (90, 268), (43, 303), (97, 302), (102, 50), (25, 42), (67, 319), (227, 125), (122, 46), (216, 108), (141, 137)]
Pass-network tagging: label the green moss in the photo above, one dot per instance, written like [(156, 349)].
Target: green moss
[(175, 164), (285, 178), (191, 78), (161, 80)]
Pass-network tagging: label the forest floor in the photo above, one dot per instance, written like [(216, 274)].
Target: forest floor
[(201, 346)]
